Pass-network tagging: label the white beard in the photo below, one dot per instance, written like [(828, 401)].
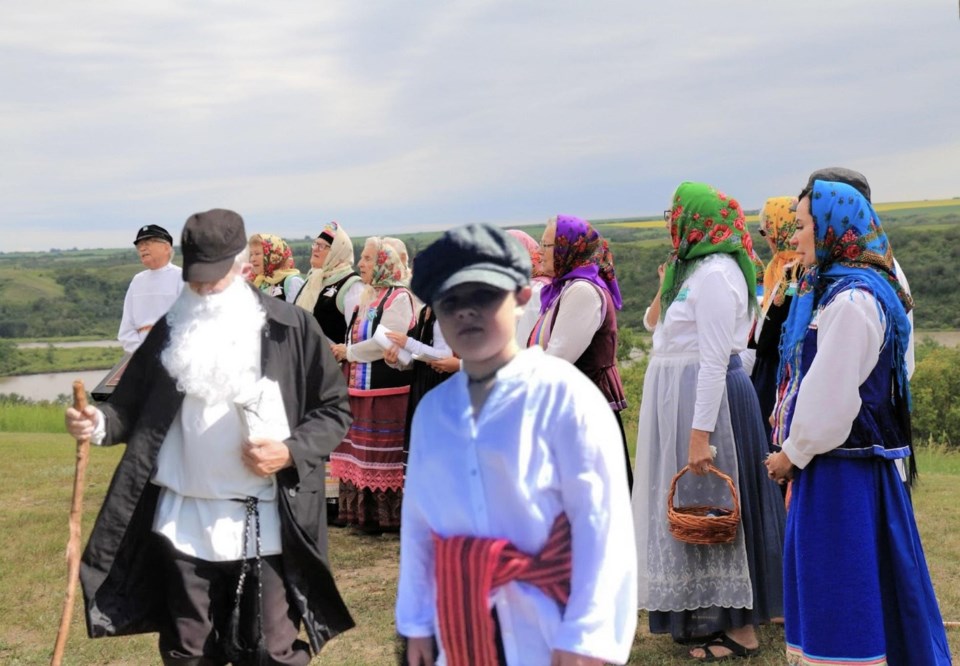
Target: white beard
[(214, 348)]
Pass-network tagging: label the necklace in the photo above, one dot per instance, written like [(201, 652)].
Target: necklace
[(482, 380)]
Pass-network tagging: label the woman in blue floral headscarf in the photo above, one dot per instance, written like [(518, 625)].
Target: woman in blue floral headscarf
[(856, 585)]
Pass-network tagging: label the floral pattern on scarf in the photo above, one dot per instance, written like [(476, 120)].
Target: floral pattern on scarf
[(388, 269), (778, 219), (580, 252), (277, 260), (533, 249), (705, 221)]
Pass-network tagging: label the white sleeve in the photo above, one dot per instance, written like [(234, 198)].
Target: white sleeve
[(415, 609), (439, 349), (351, 300), (128, 335), (292, 288), (600, 617), (99, 430), (647, 324), (849, 337), (398, 316), (579, 318), (715, 310)]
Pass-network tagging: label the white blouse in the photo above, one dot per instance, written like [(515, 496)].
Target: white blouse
[(709, 320), (849, 338), (582, 309)]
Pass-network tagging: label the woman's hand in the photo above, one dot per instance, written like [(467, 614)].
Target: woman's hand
[(448, 365), (399, 339), (699, 456), (339, 352), (779, 467), (391, 355), (420, 651)]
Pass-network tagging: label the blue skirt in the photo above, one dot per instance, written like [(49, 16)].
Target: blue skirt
[(857, 588)]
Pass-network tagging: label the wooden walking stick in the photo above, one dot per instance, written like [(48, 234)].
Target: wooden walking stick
[(73, 544)]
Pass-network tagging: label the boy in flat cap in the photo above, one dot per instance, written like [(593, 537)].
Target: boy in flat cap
[(213, 534), (152, 291), (516, 541)]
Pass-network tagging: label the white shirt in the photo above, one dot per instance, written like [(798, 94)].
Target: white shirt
[(531, 312), (849, 337), (439, 349), (149, 296), (582, 309), (545, 442), (710, 319)]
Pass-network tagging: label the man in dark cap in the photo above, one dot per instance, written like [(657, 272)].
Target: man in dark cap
[(151, 292), (213, 531), (515, 464)]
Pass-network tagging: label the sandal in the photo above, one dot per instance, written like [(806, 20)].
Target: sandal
[(737, 651)]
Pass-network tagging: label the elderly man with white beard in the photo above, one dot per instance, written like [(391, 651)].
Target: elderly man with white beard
[(213, 531)]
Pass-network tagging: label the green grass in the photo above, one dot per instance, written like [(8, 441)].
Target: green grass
[(35, 490), (34, 418), (20, 286), (60, 359)]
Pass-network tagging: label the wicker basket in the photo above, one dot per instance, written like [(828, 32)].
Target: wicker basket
[(692, 524)]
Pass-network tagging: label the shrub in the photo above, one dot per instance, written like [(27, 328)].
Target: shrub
[(935, 384)]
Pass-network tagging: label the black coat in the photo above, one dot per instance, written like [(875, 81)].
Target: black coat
[(120, 573)]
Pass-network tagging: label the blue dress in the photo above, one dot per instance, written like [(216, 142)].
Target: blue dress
[(857, 589)]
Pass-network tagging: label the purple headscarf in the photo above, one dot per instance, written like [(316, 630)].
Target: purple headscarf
[(580, 253)]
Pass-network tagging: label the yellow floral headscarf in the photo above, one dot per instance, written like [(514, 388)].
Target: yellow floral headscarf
[(778, 220), (277, 260)]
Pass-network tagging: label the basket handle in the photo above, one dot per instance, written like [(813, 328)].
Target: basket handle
[(714, 470)]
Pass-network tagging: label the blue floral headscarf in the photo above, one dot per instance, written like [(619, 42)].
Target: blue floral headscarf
[(852, 253)]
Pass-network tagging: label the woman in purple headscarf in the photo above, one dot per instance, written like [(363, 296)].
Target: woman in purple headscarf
[(578, 318)]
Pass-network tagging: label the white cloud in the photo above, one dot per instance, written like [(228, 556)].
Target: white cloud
[(399, 115)]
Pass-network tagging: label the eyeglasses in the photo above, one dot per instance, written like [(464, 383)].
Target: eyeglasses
[(321, 245), (762, 232), (668, 215), (544, 246)]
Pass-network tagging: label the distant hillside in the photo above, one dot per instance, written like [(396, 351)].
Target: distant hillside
[(80, 292)]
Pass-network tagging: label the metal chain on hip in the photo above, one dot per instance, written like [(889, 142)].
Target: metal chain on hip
[(252, 512)]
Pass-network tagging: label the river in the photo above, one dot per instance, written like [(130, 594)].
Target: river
[(49, 386)]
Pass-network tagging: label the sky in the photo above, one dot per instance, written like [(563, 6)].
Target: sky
[(395, 116)]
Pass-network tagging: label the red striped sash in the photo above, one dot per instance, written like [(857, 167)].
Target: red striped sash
[(469, 568)]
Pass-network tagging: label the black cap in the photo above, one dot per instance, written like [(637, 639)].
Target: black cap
[(854, 179), (153, 231), (474, 253), (210, 243)]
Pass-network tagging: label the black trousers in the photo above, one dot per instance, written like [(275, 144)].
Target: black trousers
[(200, 599)]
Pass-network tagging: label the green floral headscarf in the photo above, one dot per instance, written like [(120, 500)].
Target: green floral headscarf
[(704, 221)]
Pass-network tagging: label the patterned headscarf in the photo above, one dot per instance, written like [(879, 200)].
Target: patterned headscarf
[(580, 252), (533, 249), (336, 266), (388, 268), (277, 260), (704, 221), (401, 249), (852, 252), (778, 219)]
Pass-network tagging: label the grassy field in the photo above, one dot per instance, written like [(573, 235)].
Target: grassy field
[(35, 492), (65, 359)]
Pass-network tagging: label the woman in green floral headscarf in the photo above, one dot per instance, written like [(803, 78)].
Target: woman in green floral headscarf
[(698, 408)]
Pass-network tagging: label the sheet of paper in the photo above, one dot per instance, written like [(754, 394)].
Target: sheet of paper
[(380, 337)]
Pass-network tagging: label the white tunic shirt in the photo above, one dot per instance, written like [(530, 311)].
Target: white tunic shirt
[(149, 296), (545, 442)]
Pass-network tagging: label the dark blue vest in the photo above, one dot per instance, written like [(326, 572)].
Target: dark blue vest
[(879, 429)]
